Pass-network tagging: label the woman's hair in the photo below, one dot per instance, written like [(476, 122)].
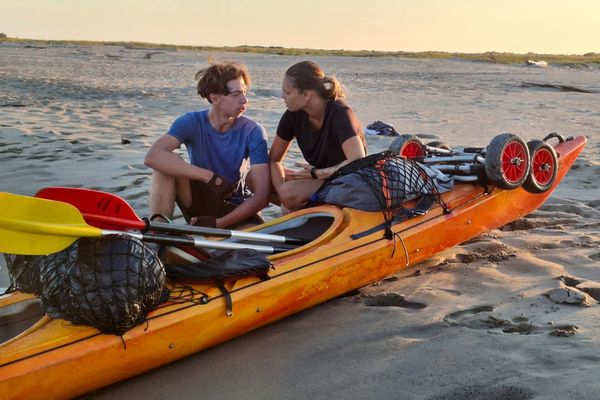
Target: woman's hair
[(306, 75), (214, 78)]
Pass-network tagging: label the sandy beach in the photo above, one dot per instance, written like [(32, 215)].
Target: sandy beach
[(512, 314)]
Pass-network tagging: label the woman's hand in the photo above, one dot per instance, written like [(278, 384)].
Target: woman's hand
[(302, 173)]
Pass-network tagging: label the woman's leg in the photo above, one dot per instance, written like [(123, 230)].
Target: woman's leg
[(294, 195)]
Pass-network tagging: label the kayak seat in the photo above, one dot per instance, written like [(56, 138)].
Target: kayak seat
[(307, 227)]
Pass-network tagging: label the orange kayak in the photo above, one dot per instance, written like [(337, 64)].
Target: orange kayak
[(52, 358)]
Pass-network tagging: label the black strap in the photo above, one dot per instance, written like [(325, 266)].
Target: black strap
[(422, 207), (227, 294), (228, 302)]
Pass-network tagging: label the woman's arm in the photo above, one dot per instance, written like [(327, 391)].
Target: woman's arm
[(347, 128), (278, 150), (353, 149)]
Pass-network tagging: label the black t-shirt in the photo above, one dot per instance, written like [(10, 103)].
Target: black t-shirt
[(322, 148)]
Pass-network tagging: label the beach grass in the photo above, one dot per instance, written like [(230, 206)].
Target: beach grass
[(491, 56)]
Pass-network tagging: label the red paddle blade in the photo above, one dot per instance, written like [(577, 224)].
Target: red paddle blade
[(100, 209)]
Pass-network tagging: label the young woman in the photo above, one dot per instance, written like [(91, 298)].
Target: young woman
[(327, 132)]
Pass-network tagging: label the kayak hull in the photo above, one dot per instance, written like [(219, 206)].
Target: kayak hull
[(55, 359)]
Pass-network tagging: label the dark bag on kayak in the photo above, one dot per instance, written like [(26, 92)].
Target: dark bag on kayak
[(24, 273), (384, 182), (381, 182), (230, 265), (110, 283)]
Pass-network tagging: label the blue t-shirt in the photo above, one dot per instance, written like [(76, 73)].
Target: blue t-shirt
[(222, 152)]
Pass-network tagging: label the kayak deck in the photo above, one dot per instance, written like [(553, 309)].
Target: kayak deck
[(56, 359)]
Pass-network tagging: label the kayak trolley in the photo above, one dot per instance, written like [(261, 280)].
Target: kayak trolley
[(507, 162)]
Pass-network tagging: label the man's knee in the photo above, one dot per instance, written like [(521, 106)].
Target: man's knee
[(161, 179), (166, 186)]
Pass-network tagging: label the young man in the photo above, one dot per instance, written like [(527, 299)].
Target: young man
[(213, 189)]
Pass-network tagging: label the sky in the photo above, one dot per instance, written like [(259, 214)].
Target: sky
[(471, 26)]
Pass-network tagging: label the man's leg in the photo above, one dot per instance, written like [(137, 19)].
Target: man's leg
[(197, 199), (164, 190)]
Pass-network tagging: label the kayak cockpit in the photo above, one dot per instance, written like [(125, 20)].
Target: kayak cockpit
[(314, 226), (307, 227), (18, 312)]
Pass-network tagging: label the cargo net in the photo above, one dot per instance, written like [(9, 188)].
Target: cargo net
[(381, 182), (110, 283)]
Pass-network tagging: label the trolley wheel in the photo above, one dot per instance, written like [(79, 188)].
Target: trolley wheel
[(543, 171), (408, 146), (507, 161)]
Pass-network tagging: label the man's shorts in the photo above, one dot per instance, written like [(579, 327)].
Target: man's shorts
[(206, 202)]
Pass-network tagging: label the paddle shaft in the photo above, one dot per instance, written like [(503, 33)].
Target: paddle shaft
[(195, 241), (203, 230)]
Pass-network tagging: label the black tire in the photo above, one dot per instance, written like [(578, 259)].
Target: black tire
[(408, 146), (507, 161), (544, 167)]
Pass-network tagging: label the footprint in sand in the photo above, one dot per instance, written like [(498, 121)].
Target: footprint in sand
[(575, 291), (562, 244), (522, 224), (487, 392), (393, 300), (471, 318), (459, 317), (489, 251)]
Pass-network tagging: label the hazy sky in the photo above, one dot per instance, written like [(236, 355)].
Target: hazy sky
[(520, 26)]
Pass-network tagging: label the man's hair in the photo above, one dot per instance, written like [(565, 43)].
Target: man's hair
[(213, 80)]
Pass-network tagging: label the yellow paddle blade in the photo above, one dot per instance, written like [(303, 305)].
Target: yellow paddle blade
[(32, 226)]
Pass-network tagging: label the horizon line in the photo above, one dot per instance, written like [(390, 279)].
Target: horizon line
[(592, 57)]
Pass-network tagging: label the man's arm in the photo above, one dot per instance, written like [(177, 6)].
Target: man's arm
[(160, 157), (260, 199)]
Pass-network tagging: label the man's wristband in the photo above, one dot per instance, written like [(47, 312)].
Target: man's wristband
[(313, 172)]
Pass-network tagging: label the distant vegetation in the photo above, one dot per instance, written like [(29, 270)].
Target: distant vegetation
[(492, 56)]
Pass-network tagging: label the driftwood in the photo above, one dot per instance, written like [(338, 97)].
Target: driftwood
[(562, 88)]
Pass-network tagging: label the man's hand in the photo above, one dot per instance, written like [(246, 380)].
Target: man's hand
[(220, 186), (204, 220)]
